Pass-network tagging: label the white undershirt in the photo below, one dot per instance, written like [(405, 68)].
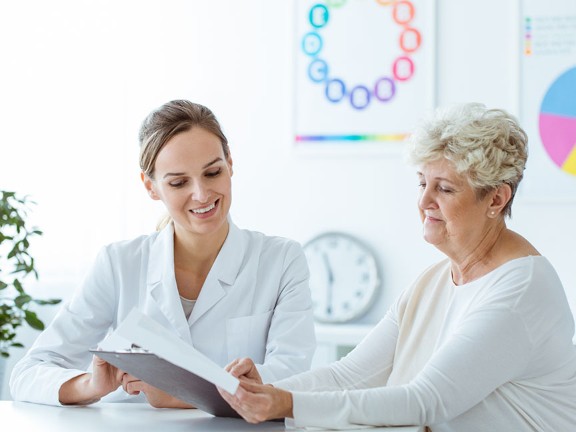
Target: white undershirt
[(188, 306)]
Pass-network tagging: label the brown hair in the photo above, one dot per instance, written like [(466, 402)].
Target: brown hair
[(170, 119)]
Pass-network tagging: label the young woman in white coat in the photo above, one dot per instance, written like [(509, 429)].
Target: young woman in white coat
[(228, 292)]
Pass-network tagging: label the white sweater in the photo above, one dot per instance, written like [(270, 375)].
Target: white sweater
[(492, 355)]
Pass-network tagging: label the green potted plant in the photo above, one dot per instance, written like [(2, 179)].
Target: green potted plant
[(16, 264)]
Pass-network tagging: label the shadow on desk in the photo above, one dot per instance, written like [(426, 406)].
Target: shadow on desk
[(138, 417)]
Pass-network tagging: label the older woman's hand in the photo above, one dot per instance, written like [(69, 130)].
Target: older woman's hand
[(257, 403), (244, 369)]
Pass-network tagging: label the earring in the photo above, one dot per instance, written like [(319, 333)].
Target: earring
[(492, 213)]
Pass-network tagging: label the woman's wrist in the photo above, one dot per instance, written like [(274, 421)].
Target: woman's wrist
[(78, 391), (287, 404)]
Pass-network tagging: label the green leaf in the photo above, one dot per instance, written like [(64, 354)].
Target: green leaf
[(22, 300), (15, 234), (33, 320), (18, 286), (47, 302)]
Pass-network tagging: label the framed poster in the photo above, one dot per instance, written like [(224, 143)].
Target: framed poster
[(548, 98), (364, 71)]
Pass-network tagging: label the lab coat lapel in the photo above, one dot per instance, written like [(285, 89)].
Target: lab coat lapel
[(222, 274), (162, 292)]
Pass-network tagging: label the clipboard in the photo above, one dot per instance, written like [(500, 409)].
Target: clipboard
[(170, 378), (164, 361)]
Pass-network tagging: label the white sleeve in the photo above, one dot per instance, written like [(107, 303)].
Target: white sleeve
[(61, 351), (358, 369), (291, 340), (489, 348)]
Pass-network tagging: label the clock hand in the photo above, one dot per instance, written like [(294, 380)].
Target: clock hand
[(329, 293)]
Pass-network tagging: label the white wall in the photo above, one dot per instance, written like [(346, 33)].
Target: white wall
[(80, 75)]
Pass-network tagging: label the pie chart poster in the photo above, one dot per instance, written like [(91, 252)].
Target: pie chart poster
[(548, 99), (363, 70)]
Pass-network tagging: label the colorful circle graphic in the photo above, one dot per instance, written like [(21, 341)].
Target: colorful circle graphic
[(557, 121), (383, 89)]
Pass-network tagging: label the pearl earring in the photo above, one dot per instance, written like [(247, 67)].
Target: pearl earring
[(492, 212)]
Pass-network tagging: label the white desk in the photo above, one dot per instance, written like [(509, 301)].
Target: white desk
[(121, 417)]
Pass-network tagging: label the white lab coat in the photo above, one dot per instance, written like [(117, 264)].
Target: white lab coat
[(255, 303)]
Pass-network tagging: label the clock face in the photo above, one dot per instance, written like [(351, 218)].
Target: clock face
[(344, 277)]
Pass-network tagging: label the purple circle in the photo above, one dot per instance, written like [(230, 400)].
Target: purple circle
[(391, 86)]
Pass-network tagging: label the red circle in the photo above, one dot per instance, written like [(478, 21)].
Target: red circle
[(397, 65)]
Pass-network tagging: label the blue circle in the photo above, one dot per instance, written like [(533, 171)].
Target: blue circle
[(312, 38), (318, 70), (353, 101), (338, 82), (325, 15)]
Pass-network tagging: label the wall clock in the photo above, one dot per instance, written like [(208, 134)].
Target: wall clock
[(344, 276)]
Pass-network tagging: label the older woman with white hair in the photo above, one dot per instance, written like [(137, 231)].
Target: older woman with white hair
[(482, 341)]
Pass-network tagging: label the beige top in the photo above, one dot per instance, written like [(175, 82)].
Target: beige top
[(495, 354)]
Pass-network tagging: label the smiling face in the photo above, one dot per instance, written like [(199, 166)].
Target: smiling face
[(192, 177), (454, 219)]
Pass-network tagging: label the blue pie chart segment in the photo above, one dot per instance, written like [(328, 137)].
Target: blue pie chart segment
[(557, 121)]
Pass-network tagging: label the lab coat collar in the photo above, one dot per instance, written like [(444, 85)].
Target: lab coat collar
[(161, 285), (223, 273), (227, 264), (161, 259)]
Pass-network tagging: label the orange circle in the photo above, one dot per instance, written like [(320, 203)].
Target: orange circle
[(406, 32), (395, 12)]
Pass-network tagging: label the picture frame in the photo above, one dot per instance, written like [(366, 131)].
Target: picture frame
[(547, 107)]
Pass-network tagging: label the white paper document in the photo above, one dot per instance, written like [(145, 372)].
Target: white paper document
[(143, 331)]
